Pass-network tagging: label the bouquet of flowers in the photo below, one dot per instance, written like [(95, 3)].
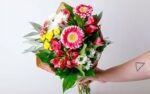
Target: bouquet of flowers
[(70, 42)]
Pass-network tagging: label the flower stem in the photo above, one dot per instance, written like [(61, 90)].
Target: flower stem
[(84, 89)]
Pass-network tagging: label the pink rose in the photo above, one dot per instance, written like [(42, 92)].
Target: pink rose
[(58, 52), (56, 45), (91, 20), (91, 28), (98, 41)]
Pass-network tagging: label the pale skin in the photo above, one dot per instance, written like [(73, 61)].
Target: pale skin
[(121, 73), (124, 72)]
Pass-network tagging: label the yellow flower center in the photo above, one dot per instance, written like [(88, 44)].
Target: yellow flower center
[(83, 9), (72, 37)]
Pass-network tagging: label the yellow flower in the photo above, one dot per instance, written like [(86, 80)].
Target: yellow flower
[(47, 45), (56, 31), (43, 37), (49, 35)]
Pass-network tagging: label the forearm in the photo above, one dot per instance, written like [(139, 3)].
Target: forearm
[(128, 70)]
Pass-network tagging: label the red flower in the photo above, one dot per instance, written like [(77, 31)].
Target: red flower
[(91, 28), (62, 64), (75, 55), (71, 64), (66, 11), (83, 10), (58, 52), (72, 54), (56, 45), (98, 41), (91, 20), (69, 52), (55, 62), (72, 37)]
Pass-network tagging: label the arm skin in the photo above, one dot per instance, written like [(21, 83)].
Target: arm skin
[(124, 72)]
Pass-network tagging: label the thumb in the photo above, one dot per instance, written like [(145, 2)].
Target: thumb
[(86, 80)]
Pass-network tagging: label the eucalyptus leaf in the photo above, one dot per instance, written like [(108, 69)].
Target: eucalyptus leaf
[(34, 49), (29, 49), (36, 26), (34, 42), (31, 34)]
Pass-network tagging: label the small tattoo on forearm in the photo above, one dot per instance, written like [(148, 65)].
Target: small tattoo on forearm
[(139, 65)]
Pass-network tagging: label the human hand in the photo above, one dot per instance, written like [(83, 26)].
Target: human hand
[(97, 77), (44, 66)]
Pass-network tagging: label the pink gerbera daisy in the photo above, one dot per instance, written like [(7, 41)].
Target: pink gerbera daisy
[(83, 10), (72, 37)]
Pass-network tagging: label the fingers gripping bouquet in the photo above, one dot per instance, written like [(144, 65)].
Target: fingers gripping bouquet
[(70, 42)]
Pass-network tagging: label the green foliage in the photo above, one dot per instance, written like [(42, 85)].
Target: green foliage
[(36, 26), (69, 8), (97, 46), (79, 67), (89, 72), (30, 49), (69, 81), (45, 56), (69, 77), (83, 50), (79, 20), (99, 16), (63, 73), (31, 34), (71, 21)]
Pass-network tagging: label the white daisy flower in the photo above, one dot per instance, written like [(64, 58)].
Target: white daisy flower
[(61, 18), (88, 64), (52, 26), (51, 17), (57, 20), (91, 53), (81, 59)]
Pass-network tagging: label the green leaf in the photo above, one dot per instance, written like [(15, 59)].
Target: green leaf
[(69, 81), (46, 56), (95, 35), (83, 50), (31, 34), (89, 72), (34, 42), (99, 17), (79, 20), (31, 49), (36, 26), (79, 67), (97, 46), (69, 8)]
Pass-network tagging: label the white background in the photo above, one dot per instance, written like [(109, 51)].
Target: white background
[(125, 22)]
